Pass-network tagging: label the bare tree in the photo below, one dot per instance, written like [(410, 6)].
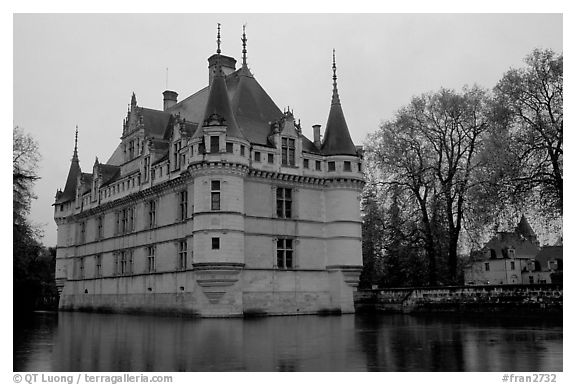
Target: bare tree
[(531, 115), (431, 150)]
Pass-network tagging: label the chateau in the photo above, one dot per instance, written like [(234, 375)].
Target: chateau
[(216, 205)]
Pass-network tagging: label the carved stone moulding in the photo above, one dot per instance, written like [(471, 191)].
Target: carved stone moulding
[(216, 278), (351, 273)]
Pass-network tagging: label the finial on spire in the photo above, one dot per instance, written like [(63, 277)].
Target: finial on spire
[(133, 101), (244, 40), (218, 40), (335, 97), (75, 155), (334, 65)]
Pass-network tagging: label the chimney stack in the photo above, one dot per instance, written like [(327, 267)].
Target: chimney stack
[(316, 128), (228, 65), (170, 99)]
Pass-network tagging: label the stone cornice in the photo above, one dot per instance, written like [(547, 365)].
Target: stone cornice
[(134, 197)]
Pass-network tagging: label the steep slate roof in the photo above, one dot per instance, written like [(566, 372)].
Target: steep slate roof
[(549, 253), (337, 140), (155, 121), (502, 240), (251, 105), (109, 173)]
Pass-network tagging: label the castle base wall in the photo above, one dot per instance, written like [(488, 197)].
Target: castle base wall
[(254, 293)]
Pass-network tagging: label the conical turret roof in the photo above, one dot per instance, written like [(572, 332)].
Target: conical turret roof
[(337, 140), (524, 227), (69, 192), (218, 108)]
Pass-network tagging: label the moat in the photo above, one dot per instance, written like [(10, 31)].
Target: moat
[(66, 341)]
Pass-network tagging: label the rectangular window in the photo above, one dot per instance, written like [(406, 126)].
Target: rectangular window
[(182, 255), (146, 168), (98, 265), (530, 279), (512, 265), (151, 213), (99, 227), (487, 266), (347, 166), (270, 158), (284, 253), (151, 258), (124, 221), (131, 150), (288, 152), (306, 163), (257, 156), (242, 150), (229, 147), (284, 202), (117, 223), (359, 167), (82, 232), (215, 195), (214, 144), (176, 155), (123, 262), (81, 268), (183, 205), (131, 219), (318, 166), (331, 166), (216, 243)]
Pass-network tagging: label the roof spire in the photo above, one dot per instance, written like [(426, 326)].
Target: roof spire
[(337, 139), (218, 40), (335, 96), (75, 155), (244, 40), (133, 100)]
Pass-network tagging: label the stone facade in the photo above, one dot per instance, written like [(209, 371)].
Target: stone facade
[(217, 205)]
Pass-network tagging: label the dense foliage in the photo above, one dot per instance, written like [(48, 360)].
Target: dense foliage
[(450, 166), (33, 265)]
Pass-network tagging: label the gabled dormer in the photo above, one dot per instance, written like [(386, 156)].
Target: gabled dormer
[(286, 135)]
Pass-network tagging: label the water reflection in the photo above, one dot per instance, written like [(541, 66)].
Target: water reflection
[(106, 342)]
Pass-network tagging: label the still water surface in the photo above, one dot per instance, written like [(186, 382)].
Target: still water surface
[(108, 342)]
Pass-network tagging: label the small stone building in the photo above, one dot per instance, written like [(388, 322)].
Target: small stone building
[(514, 258), (215, 205)]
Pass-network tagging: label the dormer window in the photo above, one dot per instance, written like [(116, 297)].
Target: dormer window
[(146, 168), (288, 152), (131, 150), (214, 144), (176, 155)]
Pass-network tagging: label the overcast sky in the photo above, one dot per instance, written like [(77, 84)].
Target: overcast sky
[(72, 69)]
